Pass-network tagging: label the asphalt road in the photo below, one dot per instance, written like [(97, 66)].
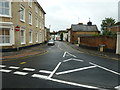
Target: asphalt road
[(61, 67)]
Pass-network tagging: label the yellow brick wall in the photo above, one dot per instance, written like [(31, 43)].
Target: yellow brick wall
[(15, 19)]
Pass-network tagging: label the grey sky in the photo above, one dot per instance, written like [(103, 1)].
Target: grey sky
[(60, 14)]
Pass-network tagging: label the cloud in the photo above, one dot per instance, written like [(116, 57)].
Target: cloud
[(60, 14)]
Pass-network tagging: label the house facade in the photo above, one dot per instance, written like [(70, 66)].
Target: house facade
[(78, 30), (22, 23)]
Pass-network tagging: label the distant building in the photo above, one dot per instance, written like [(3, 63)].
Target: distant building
[(21, 23), (65, 35), (80, 29)]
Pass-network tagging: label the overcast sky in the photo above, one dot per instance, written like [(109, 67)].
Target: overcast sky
[(60, 14)]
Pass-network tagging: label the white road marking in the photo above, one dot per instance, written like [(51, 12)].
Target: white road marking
[(64, 54), (75, 70), (59, 47), (54, 70), (74, 84), (68, 54), (117, 87), (39, 76), (2, 66), (13, 67), (104, 68), (20, 73), (28, 69), (44, 71), (64, 82), (67, 60), (72, 59), (4, 70)]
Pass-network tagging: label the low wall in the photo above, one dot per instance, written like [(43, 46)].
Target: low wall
[(96, 41)]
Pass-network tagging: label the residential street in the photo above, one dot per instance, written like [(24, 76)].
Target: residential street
[(61, 67)]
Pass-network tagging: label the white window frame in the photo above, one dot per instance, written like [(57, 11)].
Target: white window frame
[(30, 37), (36, 21), (11, 37), (30, 20), (23, 20), (30, 3), (10, 10), (36, 36), (24, 37), (40, 24), (36, 9)]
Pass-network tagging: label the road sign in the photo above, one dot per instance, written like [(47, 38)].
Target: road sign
[(17, 28)]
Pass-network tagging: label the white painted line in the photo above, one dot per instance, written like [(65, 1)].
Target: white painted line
[(67, 60), (64, 54), (54, 70), (117, 87), (64, 82), (13, 67), (44, 71), (71, 54), (4, 70), (59, 47), (77, 60), (68, 54), (75, 70), (72, 83), (20, 73), (2, 66), (105, 68), (39, 76), (28, 69), (73, 60)]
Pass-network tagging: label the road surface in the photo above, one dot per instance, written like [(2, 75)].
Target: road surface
[(61, 67)]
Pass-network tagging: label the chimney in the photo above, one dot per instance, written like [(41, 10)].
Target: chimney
[(89, 23), (80, 23)]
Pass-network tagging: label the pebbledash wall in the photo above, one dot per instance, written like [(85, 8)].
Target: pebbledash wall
[(26, 14), (96, 41)]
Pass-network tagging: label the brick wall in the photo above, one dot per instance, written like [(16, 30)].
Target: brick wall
[(95, 41), (75, 35)]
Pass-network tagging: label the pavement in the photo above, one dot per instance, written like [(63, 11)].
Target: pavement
[(23, 53), (109, 55), (40, 50)]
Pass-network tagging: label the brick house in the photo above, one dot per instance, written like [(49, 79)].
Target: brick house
[(81, 29), (115, 28), (22, 23)]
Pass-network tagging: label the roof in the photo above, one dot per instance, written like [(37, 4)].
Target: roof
[(38, 4), (83, 27)]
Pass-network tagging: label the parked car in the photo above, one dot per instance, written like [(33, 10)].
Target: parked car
[(51, 42)]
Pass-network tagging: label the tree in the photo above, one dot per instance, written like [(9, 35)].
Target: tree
[(107, 22)]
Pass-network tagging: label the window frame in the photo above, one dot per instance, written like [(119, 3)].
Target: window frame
[(37, 36), (30, 3), (24, 37), (30, 20), (36, 9), (21, 6), (10, 9), (36, 21), (30, 37)]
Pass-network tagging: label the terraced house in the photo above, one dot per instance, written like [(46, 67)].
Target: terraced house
[(22, 23)]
